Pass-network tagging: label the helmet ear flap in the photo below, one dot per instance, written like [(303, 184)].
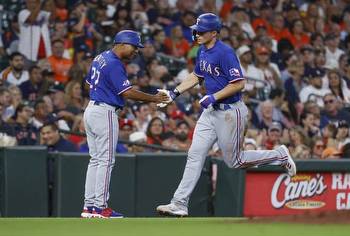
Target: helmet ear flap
[(219, 27), (194, 35)]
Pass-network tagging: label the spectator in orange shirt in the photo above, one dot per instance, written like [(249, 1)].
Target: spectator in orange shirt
[(278, 29), (59, 65), (264, 18), (176, 45), (226, 9), (298, 37)]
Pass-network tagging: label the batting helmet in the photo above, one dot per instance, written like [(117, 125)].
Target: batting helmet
[(207, 22), (128, 37)]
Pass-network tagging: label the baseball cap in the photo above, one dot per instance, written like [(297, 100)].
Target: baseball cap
[(88, 55), (176, 114), (180, 122), (47, 72), (315, 73), (306, 47), (259, 23), (262, 50), (82, 48), (125, 122), (56, 87), (330, 36), (242, 50), (275, 126)]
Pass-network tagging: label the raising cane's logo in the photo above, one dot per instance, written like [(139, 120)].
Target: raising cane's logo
[(296, 192)]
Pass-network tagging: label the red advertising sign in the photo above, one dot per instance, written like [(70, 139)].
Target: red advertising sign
[(271, 194)]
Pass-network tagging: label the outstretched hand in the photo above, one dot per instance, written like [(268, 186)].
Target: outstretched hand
[(162, 96), (170, 97)]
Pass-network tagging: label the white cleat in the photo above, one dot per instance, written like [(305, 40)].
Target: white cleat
[(290, 165), (172, 210)]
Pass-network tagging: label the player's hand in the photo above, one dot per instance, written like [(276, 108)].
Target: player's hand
[(163, 96), (207, 100), (170, 95)]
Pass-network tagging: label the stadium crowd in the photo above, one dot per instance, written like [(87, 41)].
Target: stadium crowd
[(294, 54)]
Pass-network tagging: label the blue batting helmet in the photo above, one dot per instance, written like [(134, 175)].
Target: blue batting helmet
[(128, 37), (207, 22)]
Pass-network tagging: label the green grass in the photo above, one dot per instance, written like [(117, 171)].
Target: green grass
[(161, 227)]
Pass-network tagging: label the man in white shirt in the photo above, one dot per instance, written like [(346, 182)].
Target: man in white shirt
[(314, 91), (15, 73), (251, 72), (333, 52), (34, 38)]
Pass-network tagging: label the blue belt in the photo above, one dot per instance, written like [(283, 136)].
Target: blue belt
[(97, 103), (223, 107)]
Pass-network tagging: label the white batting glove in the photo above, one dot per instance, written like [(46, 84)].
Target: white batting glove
[(170, 99)]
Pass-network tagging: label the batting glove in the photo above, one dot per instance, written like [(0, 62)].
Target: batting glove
[(207, 100), (172, 94)]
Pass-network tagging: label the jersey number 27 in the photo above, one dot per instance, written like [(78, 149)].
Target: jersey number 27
[(95, 77)]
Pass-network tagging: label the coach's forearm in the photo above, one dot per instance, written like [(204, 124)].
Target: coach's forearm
[(229, 90), (137, 95), (188, 83)]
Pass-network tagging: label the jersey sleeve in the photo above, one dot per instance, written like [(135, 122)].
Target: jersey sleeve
[(119, 79), (197, 69), (231, 67)]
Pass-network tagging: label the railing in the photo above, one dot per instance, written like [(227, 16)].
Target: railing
[(152, 146)]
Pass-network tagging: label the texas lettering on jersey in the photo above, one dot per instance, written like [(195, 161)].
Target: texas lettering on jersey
[(215, 70), (207, 67)]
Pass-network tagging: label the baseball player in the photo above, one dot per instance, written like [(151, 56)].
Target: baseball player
[(109, 86), (224, 116)]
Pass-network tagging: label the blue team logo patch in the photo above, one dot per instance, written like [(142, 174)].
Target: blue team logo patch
[(234, 72)]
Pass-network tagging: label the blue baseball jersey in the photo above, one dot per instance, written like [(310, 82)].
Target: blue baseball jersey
[(108, 79), (219, 66)]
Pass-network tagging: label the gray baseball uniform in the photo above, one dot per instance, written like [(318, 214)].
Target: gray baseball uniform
[(224, 117), (101, 124), (223, 121)]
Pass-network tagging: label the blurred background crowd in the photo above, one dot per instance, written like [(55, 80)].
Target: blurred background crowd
[(294, 54)]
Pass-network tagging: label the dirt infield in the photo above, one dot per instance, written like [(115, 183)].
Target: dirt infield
[(336, 217)]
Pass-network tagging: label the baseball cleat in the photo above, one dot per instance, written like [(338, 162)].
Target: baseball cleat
[(172, 210), (289, 165), (106, 213), (87, 212)]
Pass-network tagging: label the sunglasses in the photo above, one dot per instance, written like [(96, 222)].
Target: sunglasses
[(319, 146), (328, 101)]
